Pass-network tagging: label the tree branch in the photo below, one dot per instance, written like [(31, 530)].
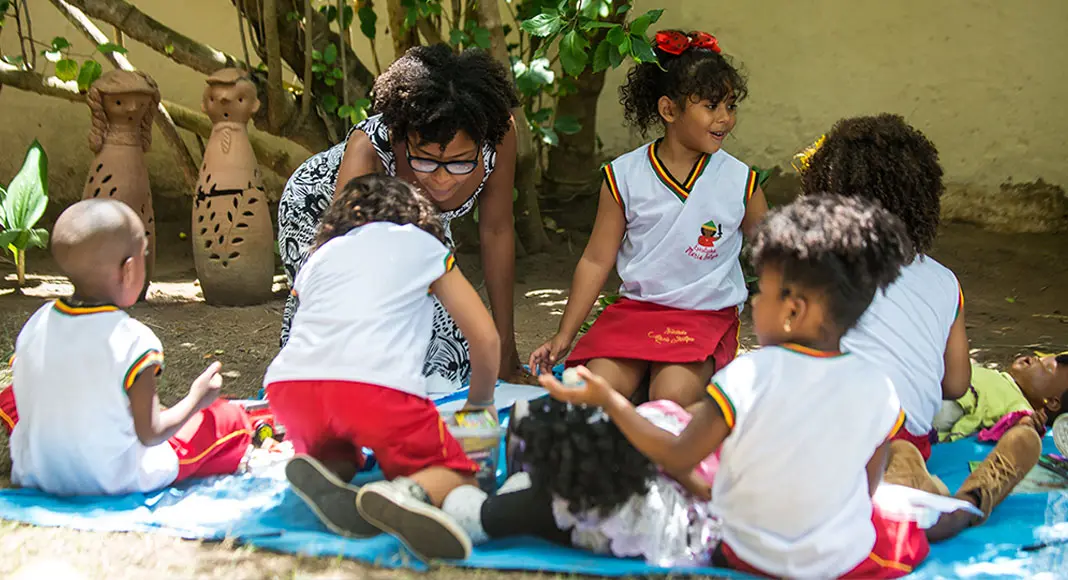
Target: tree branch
[(306, 98), (275, 88), (403, 39), (163, 118), (310, 133), (270, 155), (429, 31)]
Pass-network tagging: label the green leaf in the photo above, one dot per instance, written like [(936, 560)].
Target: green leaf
[(330, 54), (346, 20), (616, 37), (329, 103), (344, 111), (601, 60), (337, 73), (567, 124), (615, 58), (482, 37), (623, 8), (316, 55), (545, 24), (330, 12), (67, 70), (573, 55), (27, 195), (542, 115), (595, 24), (530, 80), (52, 55), (110, 47), (640, 49), (12, 60), (87, 75), (293, 16), (641, 24), (318, 67), (7, 239), (458, 37), (39, 238), (169, 49), (329, 81), (549, 136), (59, 43), (368, 21)]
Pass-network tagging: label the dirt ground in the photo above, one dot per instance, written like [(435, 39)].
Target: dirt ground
[(1015, 302)]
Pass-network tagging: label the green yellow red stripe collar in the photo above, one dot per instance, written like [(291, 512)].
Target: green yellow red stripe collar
[(70, 308), (813, 352), (681, 190)]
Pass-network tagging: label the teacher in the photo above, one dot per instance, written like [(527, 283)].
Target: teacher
[(443, 124)]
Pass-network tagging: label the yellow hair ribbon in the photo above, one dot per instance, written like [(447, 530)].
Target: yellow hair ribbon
[(802, 159)]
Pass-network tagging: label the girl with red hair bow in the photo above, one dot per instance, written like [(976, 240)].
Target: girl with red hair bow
[(671, 218)]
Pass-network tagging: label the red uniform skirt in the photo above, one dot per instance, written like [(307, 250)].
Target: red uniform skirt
[(632, 329)]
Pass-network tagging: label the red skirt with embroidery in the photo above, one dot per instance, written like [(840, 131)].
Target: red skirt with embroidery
[(632, 329)]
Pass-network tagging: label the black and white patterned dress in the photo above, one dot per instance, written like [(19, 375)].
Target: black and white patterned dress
[(306, 196)]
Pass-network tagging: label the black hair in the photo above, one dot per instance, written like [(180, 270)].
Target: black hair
[(580, 456), (699, 73), (844, 248), (884, 159), (378, 198), (435, 93)]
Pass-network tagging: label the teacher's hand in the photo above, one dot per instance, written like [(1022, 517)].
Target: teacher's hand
[(513, 372)]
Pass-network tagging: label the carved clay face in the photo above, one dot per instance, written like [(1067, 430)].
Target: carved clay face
[(234, 102), (126, 109)]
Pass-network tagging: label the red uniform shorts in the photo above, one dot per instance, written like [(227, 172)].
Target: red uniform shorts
[(922, 442), (335, 419), (632, 329), (899, 547)]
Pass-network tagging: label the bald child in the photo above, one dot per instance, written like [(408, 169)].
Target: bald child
[(88, 420)]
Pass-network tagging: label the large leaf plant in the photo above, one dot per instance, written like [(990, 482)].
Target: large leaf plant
[(21, 206)]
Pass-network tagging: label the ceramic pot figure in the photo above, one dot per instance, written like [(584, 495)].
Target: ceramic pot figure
[(123, 106), (233, 243)]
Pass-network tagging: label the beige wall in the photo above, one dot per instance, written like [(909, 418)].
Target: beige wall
[(981, 78)]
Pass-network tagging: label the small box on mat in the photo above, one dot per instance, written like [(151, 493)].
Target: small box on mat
[(479, 433)]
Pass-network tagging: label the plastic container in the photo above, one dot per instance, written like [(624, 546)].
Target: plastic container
[(480, 436)]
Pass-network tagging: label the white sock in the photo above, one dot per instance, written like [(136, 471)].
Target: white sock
[(464, 504)]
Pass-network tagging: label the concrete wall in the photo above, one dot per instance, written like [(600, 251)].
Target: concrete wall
[(983, 79)]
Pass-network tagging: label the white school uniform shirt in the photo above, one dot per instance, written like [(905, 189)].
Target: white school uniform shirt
[(682, 239), (904, 333), (792, 486), (365, 311), (75, 434)]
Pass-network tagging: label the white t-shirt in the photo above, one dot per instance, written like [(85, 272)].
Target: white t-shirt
[(792, 486), (365, 312), (683, 239), (904, 333), (75, 434)]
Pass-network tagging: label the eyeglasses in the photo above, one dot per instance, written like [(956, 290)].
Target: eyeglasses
[(425, 165)]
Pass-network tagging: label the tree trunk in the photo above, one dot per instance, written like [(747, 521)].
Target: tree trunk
[(573, 165), (402, 39), (528, 222)]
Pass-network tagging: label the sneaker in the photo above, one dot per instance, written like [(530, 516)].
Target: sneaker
[(1007, 464), (400, 509), (905, 466), (332, 500), (1060, 434)]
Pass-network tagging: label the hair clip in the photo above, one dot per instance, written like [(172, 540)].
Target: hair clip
[(676, 43), (802, 160)]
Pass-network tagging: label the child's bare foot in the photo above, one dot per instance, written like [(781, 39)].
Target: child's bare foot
[(332, 500), (400, 508)]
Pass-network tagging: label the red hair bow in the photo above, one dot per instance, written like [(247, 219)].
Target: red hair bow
[(676, 43)]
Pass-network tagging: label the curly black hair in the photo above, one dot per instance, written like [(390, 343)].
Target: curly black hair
[(697, 73), (435, 93), (843, 248), (884, 159), (378, 198), (580, 457)]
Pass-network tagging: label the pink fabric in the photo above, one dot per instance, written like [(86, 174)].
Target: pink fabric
[(710, 465), (1004, 424)]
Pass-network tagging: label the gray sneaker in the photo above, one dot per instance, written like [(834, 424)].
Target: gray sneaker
[(1060, 434), (399, 508), (332, 500)]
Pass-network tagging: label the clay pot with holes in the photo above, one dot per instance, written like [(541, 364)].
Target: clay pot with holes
[(123, 105), (233, 243)]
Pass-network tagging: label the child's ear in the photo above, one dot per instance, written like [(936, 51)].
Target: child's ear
[(668, 109), (797, 307), (126, 272), (1053, 405)]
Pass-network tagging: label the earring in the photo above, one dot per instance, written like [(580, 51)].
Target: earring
[(786, 325)]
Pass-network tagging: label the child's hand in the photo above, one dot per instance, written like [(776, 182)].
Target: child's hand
[(207, 387), (545, 356), (594, 390)]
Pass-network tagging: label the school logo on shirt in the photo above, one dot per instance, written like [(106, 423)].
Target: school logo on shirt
[(705, 249)]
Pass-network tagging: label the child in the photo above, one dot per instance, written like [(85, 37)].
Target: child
[(350, 375), (1032, 387), (914, 332), (583, 484), (88, 421), (670, 218), (803, 427)]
